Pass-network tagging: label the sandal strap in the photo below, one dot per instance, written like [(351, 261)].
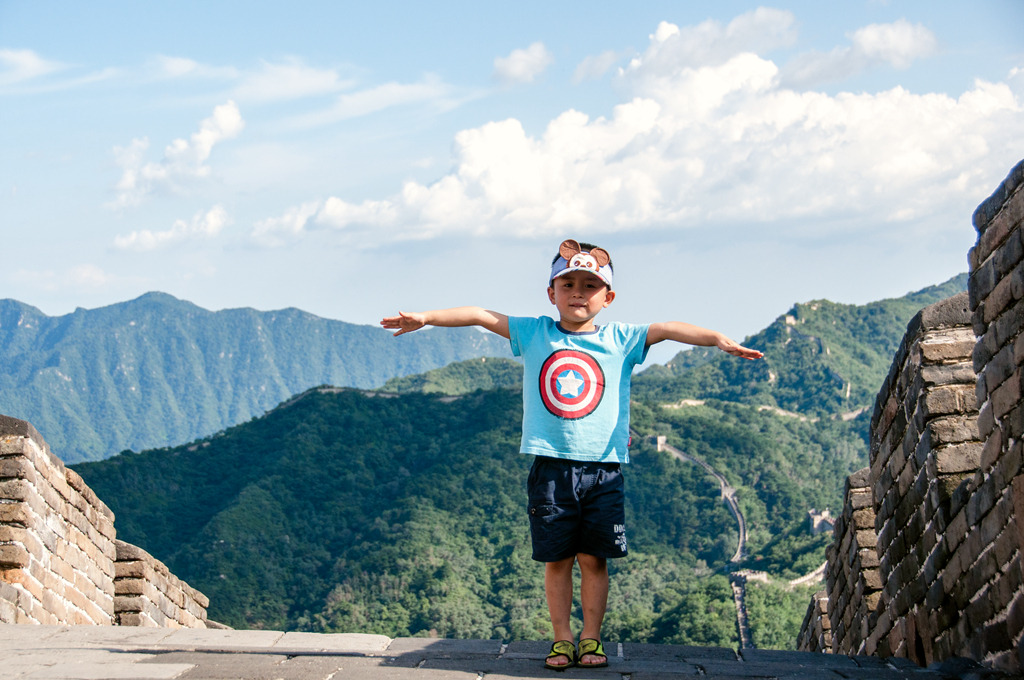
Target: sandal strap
[(563, 648), (591, 646)]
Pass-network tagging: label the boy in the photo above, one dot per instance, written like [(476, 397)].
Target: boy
[(576, 422)]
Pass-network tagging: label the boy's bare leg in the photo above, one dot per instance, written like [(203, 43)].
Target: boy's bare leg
[(594, 593), (558, 589)]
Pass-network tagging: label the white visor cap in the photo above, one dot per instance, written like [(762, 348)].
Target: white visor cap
[(573, 259)]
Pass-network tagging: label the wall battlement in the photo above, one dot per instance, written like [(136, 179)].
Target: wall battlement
[(925, 562), (60, 562)]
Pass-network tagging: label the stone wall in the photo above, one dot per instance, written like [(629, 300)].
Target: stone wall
[(924, 444), (944, 480), (989, 557), (146, 593), (816, 631), (851, 574), (56, 536), (60, 562)]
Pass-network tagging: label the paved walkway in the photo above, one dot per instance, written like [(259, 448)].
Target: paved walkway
[(99, 652)]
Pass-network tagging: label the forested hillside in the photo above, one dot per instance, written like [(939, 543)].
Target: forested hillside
[(345, 511), (158, 371)]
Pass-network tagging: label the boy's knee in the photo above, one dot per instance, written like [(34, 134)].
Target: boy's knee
[(591, 562), (560, 565)]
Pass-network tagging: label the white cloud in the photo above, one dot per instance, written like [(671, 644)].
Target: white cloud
[(593, 67), (17, 66), (522, 66), (706, 140), (276, 231), (88, 275), (673, 49), (181, 67), (897, 44), (183, 161), (371, 100), (202, 225), (291, 79)]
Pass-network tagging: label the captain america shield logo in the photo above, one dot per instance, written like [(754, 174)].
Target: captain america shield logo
[(571, 384)]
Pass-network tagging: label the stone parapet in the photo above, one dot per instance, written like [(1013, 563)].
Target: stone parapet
[(851, 574), (924, 444), (947, 493), (60, 562), (56, 536), (816, 631), (146, 593), (985, 568)]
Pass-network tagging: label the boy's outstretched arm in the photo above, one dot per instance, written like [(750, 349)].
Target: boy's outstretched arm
[(407, 322), (695, 335)]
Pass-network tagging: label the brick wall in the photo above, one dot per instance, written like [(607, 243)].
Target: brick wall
[(989, 557), (146, 593), (816, 631), (945, 478), (60, 562), (56, 536), (924, 444), (851, 574)]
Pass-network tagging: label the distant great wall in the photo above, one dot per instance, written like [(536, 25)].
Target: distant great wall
[(925, 561)]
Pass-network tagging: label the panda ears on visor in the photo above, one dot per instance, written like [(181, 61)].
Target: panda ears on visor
[(571, 248)]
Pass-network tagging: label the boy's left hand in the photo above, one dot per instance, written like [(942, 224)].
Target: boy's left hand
[(737, 350), (405, 322)]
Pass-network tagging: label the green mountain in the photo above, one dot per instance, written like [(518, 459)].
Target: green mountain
[(157, 371), (821, 358)]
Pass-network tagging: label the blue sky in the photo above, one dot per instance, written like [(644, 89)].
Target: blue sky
[(353, 160)]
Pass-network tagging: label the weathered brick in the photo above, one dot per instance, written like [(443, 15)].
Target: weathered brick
[(1010, 464), (992, 449), (999, 299), (999, 368), (948, 399), (1013, 423), (955, 345), (983, 279), (952, 430), (958, 458), (1015, 616), (990, 527), (1008, 254), (984, 350), (1006, 396), (13, 555), (1018, 350), (962, 373), (864, 519)]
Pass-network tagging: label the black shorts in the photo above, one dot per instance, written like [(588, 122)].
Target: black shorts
[(576, 507)]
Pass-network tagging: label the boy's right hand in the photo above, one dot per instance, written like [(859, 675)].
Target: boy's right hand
[(405, 322)]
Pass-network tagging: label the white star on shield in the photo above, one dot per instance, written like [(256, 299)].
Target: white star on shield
[(569, 385)]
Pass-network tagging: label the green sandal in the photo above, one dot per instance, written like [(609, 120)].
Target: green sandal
[(593, 647), (561, 648)]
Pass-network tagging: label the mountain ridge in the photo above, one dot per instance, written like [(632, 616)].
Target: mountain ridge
[(821, 357), (157, 371)]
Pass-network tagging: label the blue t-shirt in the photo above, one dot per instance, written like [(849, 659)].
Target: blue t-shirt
[(576, 388)]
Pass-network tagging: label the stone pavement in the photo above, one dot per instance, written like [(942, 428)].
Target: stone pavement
[(99, 652)]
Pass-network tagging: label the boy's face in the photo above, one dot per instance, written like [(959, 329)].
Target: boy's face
[(579, 296)]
